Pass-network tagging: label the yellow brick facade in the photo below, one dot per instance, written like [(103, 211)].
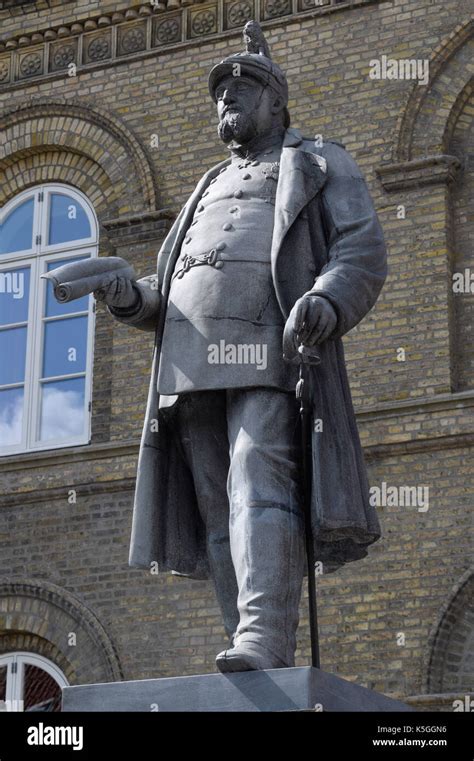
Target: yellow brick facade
[(131, 125)]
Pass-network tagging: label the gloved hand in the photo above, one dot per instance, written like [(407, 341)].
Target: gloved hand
[(310, 322), (119, 294)]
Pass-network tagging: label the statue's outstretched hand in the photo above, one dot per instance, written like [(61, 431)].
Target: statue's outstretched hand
[(119, 293), (311, 321)]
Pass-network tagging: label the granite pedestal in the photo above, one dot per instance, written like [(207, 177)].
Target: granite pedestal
[(291, 689)]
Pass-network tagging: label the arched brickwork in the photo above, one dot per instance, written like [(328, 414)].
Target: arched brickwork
[(39, 616), (433, 145), (91, 144), (426, 124), (56, 165), (450, 662), (462, 226), (92, 150), (12, 642)]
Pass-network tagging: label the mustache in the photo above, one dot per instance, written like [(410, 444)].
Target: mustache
[(232, 108), (232, 118), (236, 125), (226, 131)]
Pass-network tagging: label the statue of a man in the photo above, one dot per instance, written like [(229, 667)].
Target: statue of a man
[(281, 233)]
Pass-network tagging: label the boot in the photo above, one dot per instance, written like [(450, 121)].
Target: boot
[(267, 545), (223, 577)]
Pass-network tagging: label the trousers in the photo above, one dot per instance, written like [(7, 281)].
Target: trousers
[(243, 449)]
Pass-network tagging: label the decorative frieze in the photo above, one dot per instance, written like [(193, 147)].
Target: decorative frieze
[(131, 38), (4, 70), (167, 30), (139, 31), (276, 8), (62, 54), (97, 47), (202, 21), (237, 13), (306, 5), (30, 64)]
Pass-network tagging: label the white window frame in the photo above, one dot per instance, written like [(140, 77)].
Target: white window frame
[(37, 259), (15, 663), (73, 244)]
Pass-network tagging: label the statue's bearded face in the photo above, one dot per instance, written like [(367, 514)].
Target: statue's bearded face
[(244, 107)]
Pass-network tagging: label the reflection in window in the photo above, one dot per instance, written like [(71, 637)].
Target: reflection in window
[(14, 290), (62, 409), (16, 232), (45, 382), (13, 349), (29, 682), (40, 690), (11, 415), (14, 299), (65, 346), (67, 221)]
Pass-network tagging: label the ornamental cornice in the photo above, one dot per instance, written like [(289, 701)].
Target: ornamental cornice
[(141, 31)]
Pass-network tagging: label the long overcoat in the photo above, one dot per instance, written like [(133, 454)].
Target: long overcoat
[(326, 239)]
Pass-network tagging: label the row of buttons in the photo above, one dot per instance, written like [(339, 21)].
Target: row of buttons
[(237, 193)]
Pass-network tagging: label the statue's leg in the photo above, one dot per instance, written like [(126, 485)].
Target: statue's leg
[(266, 527), (199, 424)]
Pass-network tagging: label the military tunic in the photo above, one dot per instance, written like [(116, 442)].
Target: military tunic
[(223, 325)]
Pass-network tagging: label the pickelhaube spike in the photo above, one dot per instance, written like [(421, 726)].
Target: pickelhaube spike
[(254, 39)]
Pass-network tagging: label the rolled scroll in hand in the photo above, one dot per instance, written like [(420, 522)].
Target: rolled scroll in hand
[(77, 279)]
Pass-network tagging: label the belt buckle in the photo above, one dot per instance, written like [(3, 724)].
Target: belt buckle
[(211, 257), (194, 261), (188, 262)]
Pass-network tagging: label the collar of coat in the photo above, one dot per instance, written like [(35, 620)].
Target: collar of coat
[(251, 150), (303, 173)]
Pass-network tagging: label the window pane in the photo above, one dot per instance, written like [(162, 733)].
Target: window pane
[(62, 409), (68, 220), (13, 347), (16, 233), (54, 307), (11, 416), (65, 346), (14, 293), (41, 691)]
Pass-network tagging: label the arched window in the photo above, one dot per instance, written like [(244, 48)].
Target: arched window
[(45, 346), (30, 682)]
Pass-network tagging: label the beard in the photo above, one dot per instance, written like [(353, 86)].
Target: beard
[(236, 126)]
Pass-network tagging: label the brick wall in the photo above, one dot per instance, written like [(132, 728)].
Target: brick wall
[(135, 131)]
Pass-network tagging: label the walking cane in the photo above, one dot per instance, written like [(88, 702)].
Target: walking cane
[(308, 357)]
